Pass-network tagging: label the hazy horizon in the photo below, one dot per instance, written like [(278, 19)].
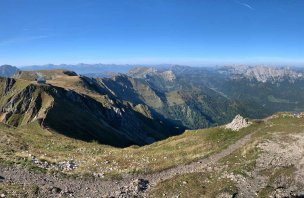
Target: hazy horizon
[(158, 65)]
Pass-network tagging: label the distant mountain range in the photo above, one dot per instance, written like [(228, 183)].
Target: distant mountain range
[(92, 70), (262, 73)]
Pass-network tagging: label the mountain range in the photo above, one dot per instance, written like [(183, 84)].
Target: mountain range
[(147, 104), (87, 113)]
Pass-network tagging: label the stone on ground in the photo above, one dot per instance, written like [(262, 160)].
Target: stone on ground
[(238, 123)]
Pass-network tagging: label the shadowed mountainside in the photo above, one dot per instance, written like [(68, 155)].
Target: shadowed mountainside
[(86, 116)]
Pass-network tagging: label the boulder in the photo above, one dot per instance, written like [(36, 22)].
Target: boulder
[(238, 123)]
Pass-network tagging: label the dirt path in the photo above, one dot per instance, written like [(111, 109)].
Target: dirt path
[(196, 166), (130, 185)]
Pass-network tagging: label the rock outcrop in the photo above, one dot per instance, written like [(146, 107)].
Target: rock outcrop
[(263, 73), (237, 123)]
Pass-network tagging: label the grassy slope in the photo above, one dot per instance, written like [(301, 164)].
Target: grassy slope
[(93, 157), (16, 144), (211, 184)]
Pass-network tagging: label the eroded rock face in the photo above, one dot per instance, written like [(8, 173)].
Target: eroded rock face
[(263, 73), (23, 106), (237, 123), (168, 75)]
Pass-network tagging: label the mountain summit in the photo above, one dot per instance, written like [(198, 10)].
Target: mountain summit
[(8, 70)]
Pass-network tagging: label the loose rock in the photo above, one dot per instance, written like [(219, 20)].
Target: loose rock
[(238, 123), (65, 165)]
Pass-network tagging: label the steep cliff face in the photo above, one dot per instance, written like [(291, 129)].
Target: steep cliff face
[(22, 103), (80, 116)]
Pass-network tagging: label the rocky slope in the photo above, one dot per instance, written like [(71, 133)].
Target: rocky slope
[(104, 119)]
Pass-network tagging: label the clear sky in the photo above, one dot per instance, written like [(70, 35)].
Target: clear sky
[(191, 32)]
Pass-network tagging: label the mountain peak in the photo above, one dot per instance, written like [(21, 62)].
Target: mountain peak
[(143, 72), (8, 70), (262, 73)]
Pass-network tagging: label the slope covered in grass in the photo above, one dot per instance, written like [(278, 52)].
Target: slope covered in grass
[(268, 166), (93, 157), (245, 171)]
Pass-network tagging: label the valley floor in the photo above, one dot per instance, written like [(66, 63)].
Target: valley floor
[(262, 160)]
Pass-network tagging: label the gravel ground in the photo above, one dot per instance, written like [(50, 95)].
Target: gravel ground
[(135, 185), (279, 154)]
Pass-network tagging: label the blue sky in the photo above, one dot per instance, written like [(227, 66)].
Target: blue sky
[(191, 32)]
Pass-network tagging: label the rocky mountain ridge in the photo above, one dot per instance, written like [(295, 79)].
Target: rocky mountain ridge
[(144, 72), (186, 105), (257, 91), (180, 96), (104, 119), (262, 73)]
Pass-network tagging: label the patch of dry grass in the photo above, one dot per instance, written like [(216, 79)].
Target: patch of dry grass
[(194, 185), (18, 190)]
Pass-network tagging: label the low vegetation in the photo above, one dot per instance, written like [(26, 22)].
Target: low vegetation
[(19, 145), (18, 190), (239, 172)]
